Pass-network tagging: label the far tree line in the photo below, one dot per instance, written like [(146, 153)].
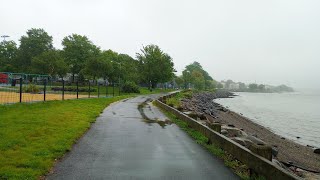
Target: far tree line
[(83, 60)]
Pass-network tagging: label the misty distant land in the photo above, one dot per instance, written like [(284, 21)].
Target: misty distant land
[(253, 87)]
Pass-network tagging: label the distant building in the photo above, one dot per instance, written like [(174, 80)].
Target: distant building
[(223, 84), (234, 86)]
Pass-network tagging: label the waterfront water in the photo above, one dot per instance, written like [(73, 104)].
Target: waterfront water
[(290, 115)]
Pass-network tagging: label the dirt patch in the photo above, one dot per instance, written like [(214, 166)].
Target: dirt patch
[(13, 97)]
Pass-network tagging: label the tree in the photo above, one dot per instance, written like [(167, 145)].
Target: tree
[(129, 68), (195, 74), (198, 80), (155, 66), (242, 86), (219, 86), (49, 62), (34, 43), (187, 78), (77, 50), (8, 55), (112, 69), (261, 87), (179, 81), (228, 83), (253, 87)]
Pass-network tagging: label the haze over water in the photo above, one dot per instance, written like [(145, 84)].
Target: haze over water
[(290, 115)]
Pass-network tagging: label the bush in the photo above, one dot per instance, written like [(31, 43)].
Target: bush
[(73, 89), (130, 87), (31, 88)]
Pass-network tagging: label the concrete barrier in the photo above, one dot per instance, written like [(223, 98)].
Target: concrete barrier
[(255, 162)]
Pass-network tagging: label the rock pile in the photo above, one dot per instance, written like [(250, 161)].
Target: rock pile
[(202, 103)]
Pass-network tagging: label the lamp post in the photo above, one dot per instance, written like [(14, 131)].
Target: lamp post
[(119, 78), (4, 37)]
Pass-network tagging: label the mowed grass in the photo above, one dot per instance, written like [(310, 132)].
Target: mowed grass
[(33, 136)]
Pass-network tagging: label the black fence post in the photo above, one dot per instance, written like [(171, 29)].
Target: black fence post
[(119, 88), (77, 89), (113, 89), (62, 89), (106, 90), (89, 89), (20, 90), (44, 89), (98, 90)]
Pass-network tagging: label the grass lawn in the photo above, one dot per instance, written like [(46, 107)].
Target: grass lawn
[(33, 136)]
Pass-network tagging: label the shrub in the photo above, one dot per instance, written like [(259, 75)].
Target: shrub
[(73, 89), (31, 88), (130, 87)]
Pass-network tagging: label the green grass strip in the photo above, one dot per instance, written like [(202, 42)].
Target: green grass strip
[(33, 136)]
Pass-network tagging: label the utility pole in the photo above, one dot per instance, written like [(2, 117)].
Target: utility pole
[(4, 37)]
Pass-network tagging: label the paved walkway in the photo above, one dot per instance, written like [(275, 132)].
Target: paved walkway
[(121, 145)]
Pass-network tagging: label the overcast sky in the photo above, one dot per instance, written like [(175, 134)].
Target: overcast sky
[(270, 41)]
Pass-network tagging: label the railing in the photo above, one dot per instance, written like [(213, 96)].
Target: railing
[(20, 90)]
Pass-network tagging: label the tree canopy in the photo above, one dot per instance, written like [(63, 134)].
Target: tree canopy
[(34, 43), (155, 66), (77, 50), (195, 75)]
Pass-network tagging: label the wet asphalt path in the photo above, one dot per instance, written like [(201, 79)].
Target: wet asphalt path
[(120, 145)]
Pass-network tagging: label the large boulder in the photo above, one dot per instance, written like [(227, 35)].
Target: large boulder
[(262, 150), (242, 141), (256, 140), (233, 132), (317, 151)]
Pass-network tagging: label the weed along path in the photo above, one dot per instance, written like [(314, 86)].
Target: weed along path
[(132, 139)]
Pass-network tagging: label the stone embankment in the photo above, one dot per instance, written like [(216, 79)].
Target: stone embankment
[(256, 138)]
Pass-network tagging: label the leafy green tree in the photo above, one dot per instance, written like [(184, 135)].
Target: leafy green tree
[(198, 80), (155, 66), (77, 50), (129, 68), (179, 81), (8, 55), (194, 74), (112, 69), (219, 86), (187, 78), (49, 62), (34, 43), (211, 84)]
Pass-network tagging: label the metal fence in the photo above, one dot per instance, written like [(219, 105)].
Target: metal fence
[(21, 90)]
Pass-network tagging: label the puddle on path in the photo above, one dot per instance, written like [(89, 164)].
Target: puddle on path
[(146, 119)]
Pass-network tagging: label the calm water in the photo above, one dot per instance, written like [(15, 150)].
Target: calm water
[(287, 114)]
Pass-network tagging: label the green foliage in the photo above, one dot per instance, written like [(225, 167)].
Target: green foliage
[(253, 87), (8, 55), (130, 87), (77, 50), (129, 68), (34, 135), (34, 43), (31, 88), (155, 66), (49, 62), (195, 76)]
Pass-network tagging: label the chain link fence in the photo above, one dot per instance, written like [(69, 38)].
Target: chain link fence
[(21, 90)]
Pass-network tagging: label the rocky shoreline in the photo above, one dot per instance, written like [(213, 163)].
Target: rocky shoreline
[(292, 156)]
